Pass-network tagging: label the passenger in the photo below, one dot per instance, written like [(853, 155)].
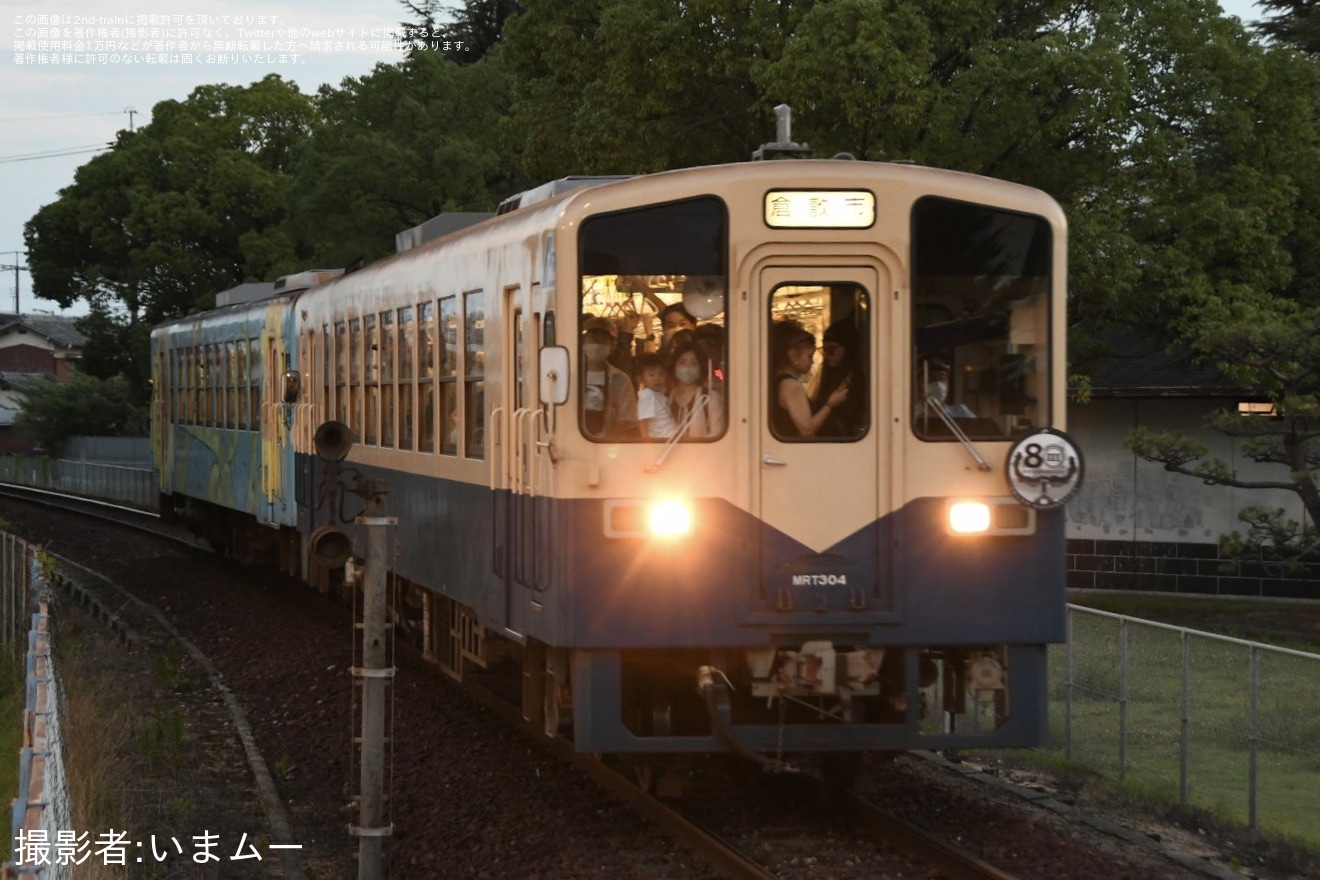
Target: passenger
[(609, 401), (691, 399), (678, 339), (710, 338), (653, 416), (791, 415), (937, 389), (842, 368), (674, 318)]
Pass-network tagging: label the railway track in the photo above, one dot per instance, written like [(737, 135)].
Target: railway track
[(933, 856), (853, 829)]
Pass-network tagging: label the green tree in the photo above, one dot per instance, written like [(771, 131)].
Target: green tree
[(1180, 149), (84, 405), (1273, 344), (397, 147), (1293, 22), (472, 31), (190, 204)]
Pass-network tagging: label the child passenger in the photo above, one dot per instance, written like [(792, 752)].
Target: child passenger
[(653, 399)]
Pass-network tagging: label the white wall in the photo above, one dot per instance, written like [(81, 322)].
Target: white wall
[(1125, 498)]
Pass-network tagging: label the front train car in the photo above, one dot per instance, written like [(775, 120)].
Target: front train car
[(797, 484)]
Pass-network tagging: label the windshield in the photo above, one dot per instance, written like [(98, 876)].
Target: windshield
[(980, 321), (651, 328)]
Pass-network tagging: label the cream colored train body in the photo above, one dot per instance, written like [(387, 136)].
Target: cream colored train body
[(825, 517)]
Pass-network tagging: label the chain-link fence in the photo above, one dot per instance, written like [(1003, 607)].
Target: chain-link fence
[(132, 486), (39, 816), (1219, 723)]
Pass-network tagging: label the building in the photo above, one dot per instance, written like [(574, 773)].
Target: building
[(32, 347), (1134, 525)]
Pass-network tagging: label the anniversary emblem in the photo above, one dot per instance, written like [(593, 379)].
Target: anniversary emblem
[(1044, 469)]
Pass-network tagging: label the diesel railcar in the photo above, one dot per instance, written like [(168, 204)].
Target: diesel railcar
[(848, 537)]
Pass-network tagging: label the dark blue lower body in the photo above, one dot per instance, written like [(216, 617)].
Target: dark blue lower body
[(543, 569)]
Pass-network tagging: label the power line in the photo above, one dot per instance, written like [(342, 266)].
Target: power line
[(56, 154), (65, 116)]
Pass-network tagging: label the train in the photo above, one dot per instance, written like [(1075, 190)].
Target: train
[(766, 457)]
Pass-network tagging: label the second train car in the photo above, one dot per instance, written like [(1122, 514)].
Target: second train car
[(765, 457)]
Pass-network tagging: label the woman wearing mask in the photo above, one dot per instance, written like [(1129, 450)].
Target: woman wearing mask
[(691, 400)]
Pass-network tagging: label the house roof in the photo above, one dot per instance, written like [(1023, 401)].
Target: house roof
[(21, 381), (1137, 364), (60, 330)]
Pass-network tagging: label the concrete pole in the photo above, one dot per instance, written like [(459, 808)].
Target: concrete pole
[(375, 674)]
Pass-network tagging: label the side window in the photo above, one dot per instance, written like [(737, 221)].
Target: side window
[(354, 419), (474, 375), (341, 372), (449, 340), (426, 384), (819, 367), (231, 386), (387, 393), (407, 374), (371, 384), (327, 372), (241, 385), (254, 383)]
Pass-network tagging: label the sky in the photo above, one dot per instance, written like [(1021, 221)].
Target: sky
[(80, 101)]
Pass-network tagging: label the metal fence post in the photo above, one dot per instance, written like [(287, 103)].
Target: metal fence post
[(1184, 737), (1122, 697), (1068, 685), (1253, 738)]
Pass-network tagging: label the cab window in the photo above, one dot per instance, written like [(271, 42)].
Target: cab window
[(980, 321), (651, 331)]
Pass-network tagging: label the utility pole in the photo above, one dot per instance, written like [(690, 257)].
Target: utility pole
[(130, 111), (373, 671), (16, 267), (375, 674)]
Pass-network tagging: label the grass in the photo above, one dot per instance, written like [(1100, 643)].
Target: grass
[(11, 728), (98, 734), (1218, 735)]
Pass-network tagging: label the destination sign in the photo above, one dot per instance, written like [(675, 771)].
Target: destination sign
[(819, 209)]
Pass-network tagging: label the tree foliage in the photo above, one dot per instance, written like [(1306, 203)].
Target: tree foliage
[(193, 203), (1292, 22), (1272, 344), (397, 147), (84, 405), (471, 32)]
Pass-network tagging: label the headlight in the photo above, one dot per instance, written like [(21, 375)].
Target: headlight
[(966, 517), (670, 518)]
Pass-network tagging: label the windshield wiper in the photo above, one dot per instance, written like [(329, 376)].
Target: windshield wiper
[(678, 433), (958, 432)]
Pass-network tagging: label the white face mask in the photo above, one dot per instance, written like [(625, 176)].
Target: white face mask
[(595, 351), (937, 390), (688, 375)]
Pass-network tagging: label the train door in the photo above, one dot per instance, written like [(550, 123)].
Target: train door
[(825, 440), (515, 462)]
